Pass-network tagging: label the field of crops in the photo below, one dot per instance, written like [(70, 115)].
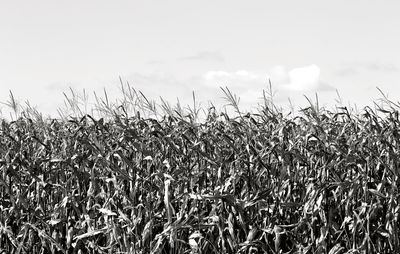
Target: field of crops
[(318, 182)]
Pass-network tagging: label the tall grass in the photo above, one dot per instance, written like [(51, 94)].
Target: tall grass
[(137, 177)]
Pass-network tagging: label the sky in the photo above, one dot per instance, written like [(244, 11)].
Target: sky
[(171, 48)]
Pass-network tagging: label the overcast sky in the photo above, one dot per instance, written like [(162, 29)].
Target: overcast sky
[(170, 48)]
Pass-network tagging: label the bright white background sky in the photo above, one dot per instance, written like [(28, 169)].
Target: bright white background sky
[(170, 48)]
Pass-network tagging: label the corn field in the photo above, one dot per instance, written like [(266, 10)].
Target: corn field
[(265, 182)]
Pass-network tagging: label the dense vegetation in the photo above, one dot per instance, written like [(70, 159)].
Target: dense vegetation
[(318, 182)]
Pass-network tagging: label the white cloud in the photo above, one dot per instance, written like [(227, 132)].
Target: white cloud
[(279, 75), (304, 78), (249, 85)]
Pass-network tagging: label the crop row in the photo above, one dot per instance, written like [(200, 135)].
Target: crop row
[(257, 183)]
